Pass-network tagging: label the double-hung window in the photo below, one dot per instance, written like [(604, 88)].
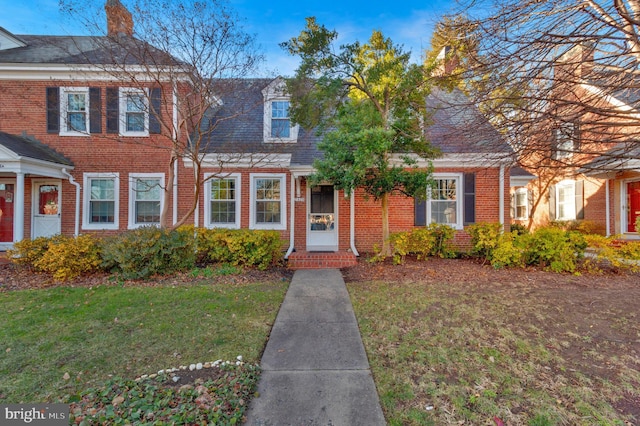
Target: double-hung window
[(222, 198), (444, 204), (280, 122), (134, 112), (521, 201), (74, 111), (101, 201), (566, 140), (565, 200), (145, 199), (268, 201)]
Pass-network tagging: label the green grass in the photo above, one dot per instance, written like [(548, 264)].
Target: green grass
[(473, 352), (93, 333)]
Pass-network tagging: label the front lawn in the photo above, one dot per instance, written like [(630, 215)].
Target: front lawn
[(456, 342), (59, 341)]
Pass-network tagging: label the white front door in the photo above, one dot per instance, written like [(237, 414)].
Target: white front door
[(46, 208), (322, 223)]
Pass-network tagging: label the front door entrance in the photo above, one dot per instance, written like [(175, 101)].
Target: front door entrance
[(633, 203), (46, 209), (322, 226), (6, 212)]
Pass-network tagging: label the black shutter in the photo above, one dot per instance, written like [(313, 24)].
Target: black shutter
[(113, 110), (552, 202), (579, 199), (154, 113), (53, 109), (469, 198), (420, 212), (95, 110)]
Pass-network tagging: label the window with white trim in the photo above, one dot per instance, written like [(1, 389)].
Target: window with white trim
[(74, 111), (277, 121), (521, 201), (134, 112), (444, 204), (222, 201), (566, 200), (145, 199), (566, 140), (268, 201), (101, 200)]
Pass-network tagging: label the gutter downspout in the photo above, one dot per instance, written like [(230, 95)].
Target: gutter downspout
[(78, 189), (607, 208), (175, 165), (292, 216), (501, 214), (352, 223)]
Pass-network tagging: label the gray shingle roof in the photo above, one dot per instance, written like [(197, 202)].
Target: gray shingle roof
[(458, 126), (84, 50), (28, 147), (238, 124)]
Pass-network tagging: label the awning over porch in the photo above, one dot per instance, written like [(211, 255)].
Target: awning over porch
[(26, 155)]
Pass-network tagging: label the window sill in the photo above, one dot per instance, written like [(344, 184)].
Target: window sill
[(271, 227)]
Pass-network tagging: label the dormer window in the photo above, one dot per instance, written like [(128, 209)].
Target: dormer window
[(277, 121), (280, 123)]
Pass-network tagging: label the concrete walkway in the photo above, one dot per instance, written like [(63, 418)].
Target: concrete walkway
[(314, 369)]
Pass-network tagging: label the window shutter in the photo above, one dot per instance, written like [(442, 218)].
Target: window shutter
[(95, 111), (552, 202), (113, 110), (579, 199), (529, 203), (155, 110), (53, 109), (420, 212), (469, 198)]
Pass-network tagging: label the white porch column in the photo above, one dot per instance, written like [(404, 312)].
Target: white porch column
[(18, 209), (501, 199)]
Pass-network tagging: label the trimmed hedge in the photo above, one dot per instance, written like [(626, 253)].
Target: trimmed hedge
[(239, 247)]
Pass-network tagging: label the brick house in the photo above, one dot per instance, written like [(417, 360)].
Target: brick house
[(586, 167), (80, 152)]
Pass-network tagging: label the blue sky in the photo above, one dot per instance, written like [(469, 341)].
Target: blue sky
[(407, 22)]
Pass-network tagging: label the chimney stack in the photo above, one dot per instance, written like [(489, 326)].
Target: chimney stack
[(119, 19), (447, 61)]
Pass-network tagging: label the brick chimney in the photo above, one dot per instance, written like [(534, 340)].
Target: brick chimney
[(119, 19), (447, 61)]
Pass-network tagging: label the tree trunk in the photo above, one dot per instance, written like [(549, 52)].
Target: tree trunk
[(168, 190), (386, 245)]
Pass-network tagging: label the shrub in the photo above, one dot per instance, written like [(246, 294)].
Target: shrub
[(239, 247), (484, 238), (519, 229), (70, 257), (507, 253), (434, 240), (148, 251), (28, 252), (553, 248)]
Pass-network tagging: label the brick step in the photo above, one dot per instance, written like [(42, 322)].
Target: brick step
[(321, 260)]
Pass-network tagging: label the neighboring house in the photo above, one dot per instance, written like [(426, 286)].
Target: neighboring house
[(590, 171), (80, 152)]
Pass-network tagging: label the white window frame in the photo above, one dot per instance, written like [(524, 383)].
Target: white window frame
[(86, 199), (207, 200), (459, 223), (64, 110), (569, 203), (122, 99), (521, 192), (133, 177), (283, 202), (275, 92), (565, 140)]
